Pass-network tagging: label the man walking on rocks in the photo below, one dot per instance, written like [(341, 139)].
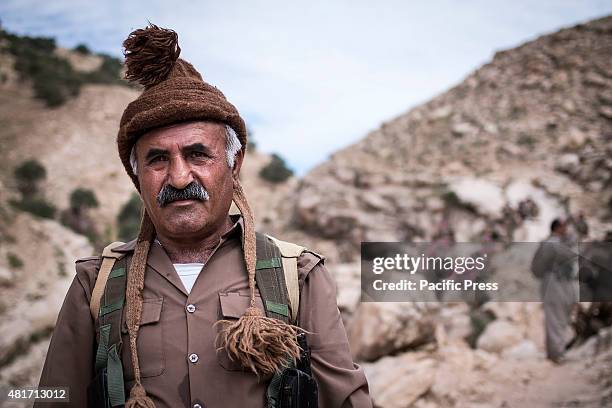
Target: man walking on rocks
[(554, 262)]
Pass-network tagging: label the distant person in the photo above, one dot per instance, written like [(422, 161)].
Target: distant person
[(442, 245), (554, 263), (595, 274), (511, 220), (528, 208)]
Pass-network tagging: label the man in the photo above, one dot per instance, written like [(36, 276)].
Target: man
[(183, 144), (554, 262)]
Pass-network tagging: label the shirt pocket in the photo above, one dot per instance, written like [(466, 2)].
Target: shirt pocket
[(232, 305), (149, 342)]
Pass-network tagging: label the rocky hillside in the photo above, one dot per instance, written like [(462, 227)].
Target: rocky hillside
[(535, 122), (522, 140)]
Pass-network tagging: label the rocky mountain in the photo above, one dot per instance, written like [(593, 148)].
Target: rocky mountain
[(522, 140), (535, 122)]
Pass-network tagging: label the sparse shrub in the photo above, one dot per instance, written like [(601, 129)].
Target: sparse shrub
[(526, 140), (129, 218), (28, 175), (479, 320), (77, 218), (82, 49), (57, 84), (14, 261), (37, 206), (109, 72), (61, 269), (53, 79), (251, 144), (83, 198), (276, 171)]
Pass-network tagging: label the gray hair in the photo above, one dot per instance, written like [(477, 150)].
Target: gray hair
[(232, 147)]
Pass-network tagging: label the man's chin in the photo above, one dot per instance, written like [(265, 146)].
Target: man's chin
[(185, 229), (184, 217)]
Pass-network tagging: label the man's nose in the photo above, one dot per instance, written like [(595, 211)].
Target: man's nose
[(179, 173)]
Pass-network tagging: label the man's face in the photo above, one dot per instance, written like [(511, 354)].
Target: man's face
[(176, 156), (561, 229)]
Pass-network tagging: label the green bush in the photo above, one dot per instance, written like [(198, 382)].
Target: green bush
[(251, 143), (35, 205), (14, 261), (527, 140), (276, 171), (129, 218), (53, 79), (109, 72), (479, 320), (28, 175), (56, 84), (83, 198), (82, 49)]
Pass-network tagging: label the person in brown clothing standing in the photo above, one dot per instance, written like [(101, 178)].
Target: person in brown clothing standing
[(195, 329)]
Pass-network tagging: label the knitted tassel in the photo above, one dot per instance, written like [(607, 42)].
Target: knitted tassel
[(138, 398), (135, 285), (150, 54), (262, 344)]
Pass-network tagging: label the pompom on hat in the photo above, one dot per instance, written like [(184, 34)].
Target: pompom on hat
[(174, 92)]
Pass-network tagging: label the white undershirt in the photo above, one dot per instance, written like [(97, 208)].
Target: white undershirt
[(188, 272)]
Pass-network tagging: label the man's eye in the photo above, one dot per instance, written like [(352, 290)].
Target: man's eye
[(197, 155), (156, 159)]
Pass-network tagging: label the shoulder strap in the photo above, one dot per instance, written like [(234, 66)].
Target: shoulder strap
[(271, 279), (290, 253), (108, 328), (277, 276), (108, 260), (277, 267)]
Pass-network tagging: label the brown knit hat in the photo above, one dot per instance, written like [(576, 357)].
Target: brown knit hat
[(174, 92)]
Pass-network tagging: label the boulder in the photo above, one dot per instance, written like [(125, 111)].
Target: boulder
[(486, 197), (397, 382), (499, 335), (525, 350), (379, 329)]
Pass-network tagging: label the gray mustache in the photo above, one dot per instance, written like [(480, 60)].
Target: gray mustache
[(193, 191)]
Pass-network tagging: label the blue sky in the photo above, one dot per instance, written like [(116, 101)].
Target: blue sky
[(313, 77)]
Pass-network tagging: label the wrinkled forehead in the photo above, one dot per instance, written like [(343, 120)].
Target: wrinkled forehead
[(181, 134)]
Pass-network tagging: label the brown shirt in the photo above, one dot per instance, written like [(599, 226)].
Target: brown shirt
[(178, 361)]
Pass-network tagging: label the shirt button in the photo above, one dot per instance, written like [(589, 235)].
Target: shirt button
[(191, 308), (197, 406), (193, 357)]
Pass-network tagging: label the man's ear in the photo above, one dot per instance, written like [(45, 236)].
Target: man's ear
[(237, 163)]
